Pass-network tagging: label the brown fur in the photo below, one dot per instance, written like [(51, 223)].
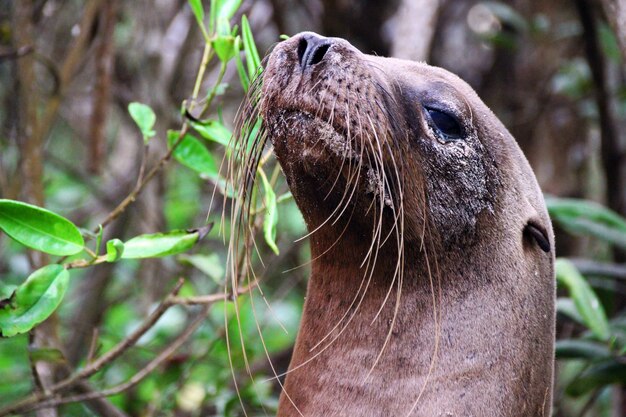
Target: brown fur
[(426, 298)]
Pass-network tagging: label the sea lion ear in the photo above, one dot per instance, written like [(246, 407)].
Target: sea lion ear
[(537, 233)]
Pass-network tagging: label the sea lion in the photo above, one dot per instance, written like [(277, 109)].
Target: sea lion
[(432, 285)]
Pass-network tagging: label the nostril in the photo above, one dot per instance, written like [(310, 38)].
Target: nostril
[(312, 49), (302, 45), (318, 54)]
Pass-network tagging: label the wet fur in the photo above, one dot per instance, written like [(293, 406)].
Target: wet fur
[(425, 298)]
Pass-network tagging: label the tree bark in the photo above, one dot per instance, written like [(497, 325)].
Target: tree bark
[(415, 27)]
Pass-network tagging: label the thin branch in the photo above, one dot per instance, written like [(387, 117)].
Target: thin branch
[(96, 365), (212, 298), (115, 213), (68, 67), (102, 88), (33, 369), (101, 406), (93, 345), (206, 301), (6, 53), (135, 379)]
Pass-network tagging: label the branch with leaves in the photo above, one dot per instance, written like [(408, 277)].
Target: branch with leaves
[(25, 306)]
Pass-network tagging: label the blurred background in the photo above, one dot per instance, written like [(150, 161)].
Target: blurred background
[(552, 71)]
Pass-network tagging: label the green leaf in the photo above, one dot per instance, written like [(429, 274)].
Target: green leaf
[(581, 217), (241, 70), (35, 300), (224, 46), (566, 306), (220, 89), (6, 293), (580, 349), (600, 375), (271, 214), (211, 265), (198, 10), (212, 130), (99, 238), (584, 297), (226, 9), (40, 229), (115, 250), (49, 355), (145, 119), (609, 43), (212, 15), (193, 154), (163, 244), (253, 61)]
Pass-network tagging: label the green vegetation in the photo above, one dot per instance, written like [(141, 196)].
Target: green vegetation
[(169, 328)]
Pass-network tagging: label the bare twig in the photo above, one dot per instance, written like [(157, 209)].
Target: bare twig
[(68, 67), (33, 369), (104, 67), (93, 345), (31, 163), (210, 299), (15, 53), (130, 198), (101, 406)]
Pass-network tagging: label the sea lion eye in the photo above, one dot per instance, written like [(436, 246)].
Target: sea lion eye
[(445, 124)]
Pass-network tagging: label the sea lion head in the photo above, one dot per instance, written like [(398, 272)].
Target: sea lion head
[(409, 185), (369, 137)]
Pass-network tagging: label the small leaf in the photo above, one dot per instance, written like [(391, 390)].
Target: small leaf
[(211, 265), (220, 89), (224, 46), (581, 217), (115, 249), (40, 229), (580, 349), (193, 154), (35, 300), (610, 45), (213, 130), (212, 15), (597, 376), (241, 70), (584, 297), (226, 9), (252, 55), (566, 306), (271, 214), (6, 294), (198, 10), (49, 355), (163, 244), (145, 119), (99, 238)]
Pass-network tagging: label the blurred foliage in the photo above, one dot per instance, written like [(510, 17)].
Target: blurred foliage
[(224, 367)]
